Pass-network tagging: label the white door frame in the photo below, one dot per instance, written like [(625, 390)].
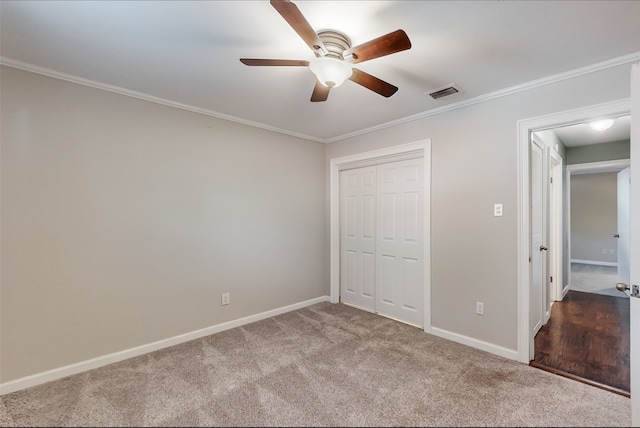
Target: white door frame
[(624, 221), (556, 230), (586, 168), (634, 245), (538, 267), (404, 151), (525, 128)]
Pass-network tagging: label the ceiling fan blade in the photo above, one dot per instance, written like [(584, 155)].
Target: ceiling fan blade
[(294, 17), (371, 82), (320, 92), (276, 62), (393, 42)]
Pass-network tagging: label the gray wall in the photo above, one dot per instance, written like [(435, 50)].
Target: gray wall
[(123, 221), (474, 165), (594, 210), (594, 217), (598, 152)]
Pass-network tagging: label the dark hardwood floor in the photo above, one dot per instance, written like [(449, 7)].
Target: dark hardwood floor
[(587, 339)]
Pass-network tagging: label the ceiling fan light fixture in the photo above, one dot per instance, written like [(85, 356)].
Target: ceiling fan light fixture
[(335, 55), (331, 72), (601, 125)]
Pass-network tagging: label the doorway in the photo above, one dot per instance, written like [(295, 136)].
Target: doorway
[(525, 129), (598, 226), (573, 344)]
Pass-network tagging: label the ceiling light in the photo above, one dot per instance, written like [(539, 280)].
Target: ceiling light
[(331, 72), (601, 125)]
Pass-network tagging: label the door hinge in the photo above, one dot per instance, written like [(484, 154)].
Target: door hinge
[(551, 279), (551, 180)]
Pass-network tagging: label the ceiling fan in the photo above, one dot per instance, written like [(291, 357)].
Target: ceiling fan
[(335, 55)]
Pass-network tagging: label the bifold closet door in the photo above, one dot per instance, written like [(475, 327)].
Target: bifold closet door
[(382, 248), (400, 241), (357, 236)]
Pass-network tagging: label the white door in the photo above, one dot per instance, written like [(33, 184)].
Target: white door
[(381, 239), (623, 225), (399, 243), (357, 236), (537, 294), (634, 247)]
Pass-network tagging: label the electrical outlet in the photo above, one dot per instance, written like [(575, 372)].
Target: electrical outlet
[(479, 308), (226, 299), (611, 251), (497, 210)]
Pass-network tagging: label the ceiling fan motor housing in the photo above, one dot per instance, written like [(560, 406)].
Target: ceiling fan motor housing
[(335, 42)]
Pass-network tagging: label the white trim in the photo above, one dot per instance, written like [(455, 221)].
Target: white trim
[(556, 230), (594, 262), (40, 378), (525, 127), (422, 148), (604, 166), (613, 62), (146, 97), (475, 343), (634, 247)]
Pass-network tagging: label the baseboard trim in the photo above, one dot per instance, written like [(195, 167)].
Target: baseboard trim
[(94, 363), (594, 262), (511, 354)]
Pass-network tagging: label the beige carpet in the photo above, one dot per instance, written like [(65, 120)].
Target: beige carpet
[(326, 365)]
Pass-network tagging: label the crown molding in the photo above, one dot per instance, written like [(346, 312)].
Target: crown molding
[(146, 97), (614, 62)]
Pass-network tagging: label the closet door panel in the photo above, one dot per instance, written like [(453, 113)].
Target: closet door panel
[(399, 243), (381, 239), (357, 237)]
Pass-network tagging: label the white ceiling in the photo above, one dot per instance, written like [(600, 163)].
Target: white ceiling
[(581, 134), (186, 53)]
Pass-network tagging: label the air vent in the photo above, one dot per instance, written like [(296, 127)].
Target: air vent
[(449, 90)]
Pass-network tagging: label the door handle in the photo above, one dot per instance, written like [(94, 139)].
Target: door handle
[(622, 286), (543, 248), (635, 290), (616, 235)]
